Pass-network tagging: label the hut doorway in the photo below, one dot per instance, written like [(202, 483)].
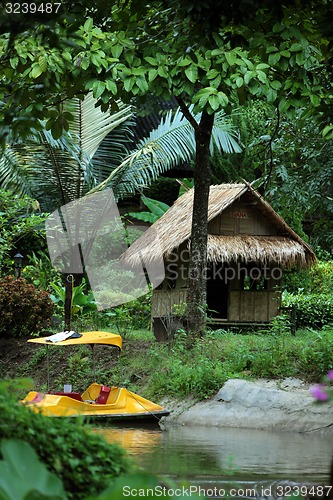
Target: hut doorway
[(217, 291)]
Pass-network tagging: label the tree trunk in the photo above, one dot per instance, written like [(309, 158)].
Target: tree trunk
[(197, 293)]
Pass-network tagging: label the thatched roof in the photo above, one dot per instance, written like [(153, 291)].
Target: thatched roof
[(264, 250), (174, 228)]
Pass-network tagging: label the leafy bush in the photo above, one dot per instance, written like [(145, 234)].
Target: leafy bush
[(313, 310), (82, 302), (23, 476), (23, 308), (317, 355), (83, 460), (40, 272), (317, 279), (20, 221), (322, 277), (294, 281), (131, 316)]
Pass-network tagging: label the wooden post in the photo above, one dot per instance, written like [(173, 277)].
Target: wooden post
[(68, 282), (293, 319)]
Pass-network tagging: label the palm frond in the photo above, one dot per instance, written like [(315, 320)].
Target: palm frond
[(90, 125), (59, 171), (13, 172), (46, 169), (112, 151), (224, 135), (171, 143)]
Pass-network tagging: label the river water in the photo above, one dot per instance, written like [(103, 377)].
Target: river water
[(211, 456)]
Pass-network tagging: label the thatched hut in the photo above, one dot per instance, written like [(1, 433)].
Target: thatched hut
[(249, 245)]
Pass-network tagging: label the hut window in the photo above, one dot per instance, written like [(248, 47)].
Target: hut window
[(171, 283), (255, 282)]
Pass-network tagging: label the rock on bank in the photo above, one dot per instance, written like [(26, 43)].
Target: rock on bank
[(262, 404)]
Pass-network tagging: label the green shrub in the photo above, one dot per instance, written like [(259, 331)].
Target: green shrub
[(317, 356), (294, 281), (40, 272), (23, 476), (317, 279), (82, 302), (322, 277), (23, 308), (313, 310), (83, 460), (21, 228), (133, 315)]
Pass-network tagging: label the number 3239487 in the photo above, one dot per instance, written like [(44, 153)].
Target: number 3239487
[(32, 8)]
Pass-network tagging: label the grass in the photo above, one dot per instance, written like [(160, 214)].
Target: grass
[(201, 371), (157, 370)]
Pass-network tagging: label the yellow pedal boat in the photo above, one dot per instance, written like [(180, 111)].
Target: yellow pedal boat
[(98, 400)]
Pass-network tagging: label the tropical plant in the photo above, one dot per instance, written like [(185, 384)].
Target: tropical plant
[(312, 309), (23, 476), (157, 209), (237, 52), (57, 171), (299, 176), (82, 302), (93, 154), (39, 270)]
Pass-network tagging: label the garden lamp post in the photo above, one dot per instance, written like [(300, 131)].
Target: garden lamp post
[(69, 284), (18, 258)]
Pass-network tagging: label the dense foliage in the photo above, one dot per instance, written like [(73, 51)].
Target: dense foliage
[(310, 293), (24, 310), (313, 309), (298, 178), (23, 476), (84, 461), (21, 227), (134, 48)]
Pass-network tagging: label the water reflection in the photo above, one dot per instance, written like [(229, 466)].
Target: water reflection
[(136, 440), (217, 453)]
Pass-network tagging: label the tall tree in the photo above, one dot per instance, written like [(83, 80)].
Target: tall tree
[(213, 55)]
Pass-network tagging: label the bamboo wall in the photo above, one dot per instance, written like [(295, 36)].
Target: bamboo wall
[(244, 306), (164, 300), (256, 306)]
